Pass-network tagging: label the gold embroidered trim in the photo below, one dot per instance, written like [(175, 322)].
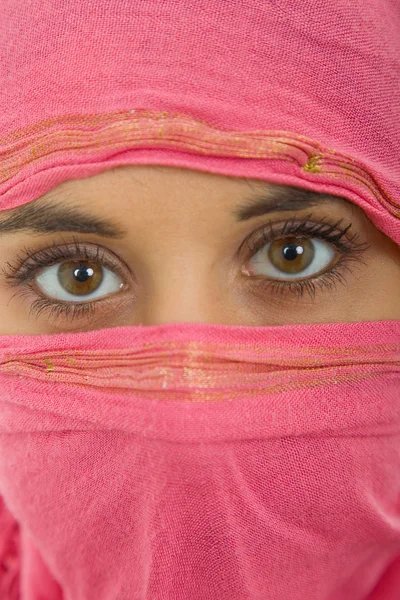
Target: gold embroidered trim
[(193, 371), (204, 350), (195, 385), (88, 134)]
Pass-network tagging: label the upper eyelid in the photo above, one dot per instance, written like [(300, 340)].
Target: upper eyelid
[(252, 243), (354, 247), (308, 225), (25, 272)]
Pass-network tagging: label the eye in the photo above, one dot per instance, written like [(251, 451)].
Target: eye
[(292, 258), (77, 280)]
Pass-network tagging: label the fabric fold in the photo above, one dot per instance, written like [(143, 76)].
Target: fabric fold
[(210, 462), (194, 461)]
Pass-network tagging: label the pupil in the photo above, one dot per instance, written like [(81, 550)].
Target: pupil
[(292, 251), (83, 273)]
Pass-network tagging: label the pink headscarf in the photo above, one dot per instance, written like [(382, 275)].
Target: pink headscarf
[(194, 461)]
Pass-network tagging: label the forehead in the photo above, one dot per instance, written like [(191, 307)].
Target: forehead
[(109, 203)]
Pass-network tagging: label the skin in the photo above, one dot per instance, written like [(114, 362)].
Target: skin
[(181, 262)]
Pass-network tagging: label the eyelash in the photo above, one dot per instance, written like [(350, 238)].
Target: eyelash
[(26, 266), (351, 250)]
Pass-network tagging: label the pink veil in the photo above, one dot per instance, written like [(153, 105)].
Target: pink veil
[(271, 471)]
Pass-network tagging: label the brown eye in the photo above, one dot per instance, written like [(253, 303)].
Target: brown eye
[(78, 280), (291, 255), (292, 258)]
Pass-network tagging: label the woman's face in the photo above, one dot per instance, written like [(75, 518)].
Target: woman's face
[(151, 245)]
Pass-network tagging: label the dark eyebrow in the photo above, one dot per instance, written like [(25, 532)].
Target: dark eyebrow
[(42, 217), (280, 198)]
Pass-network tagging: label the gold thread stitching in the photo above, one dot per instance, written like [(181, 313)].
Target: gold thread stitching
[(312, 165), (140, 127)]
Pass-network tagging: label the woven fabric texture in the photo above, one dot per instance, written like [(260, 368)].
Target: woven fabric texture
[(195, 461)]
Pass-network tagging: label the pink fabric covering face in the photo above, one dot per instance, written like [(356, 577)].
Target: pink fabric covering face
[(202, 462), (205, 461)]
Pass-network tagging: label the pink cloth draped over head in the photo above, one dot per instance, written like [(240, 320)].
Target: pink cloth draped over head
[(194, 461)]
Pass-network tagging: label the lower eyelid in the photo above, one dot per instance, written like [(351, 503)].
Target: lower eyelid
[(322, 251), (29, 291), (48, 277), (40, 304), (353, 252), (327, 280)]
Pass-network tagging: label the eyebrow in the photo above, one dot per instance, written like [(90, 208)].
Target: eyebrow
[(281, 198), (42, 216)]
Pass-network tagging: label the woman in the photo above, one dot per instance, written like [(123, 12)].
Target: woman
[(200, 326)]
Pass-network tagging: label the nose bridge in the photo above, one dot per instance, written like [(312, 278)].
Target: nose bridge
[(180, 296), (185, 280)]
